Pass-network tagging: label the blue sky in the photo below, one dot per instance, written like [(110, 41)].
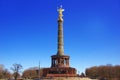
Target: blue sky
[(28, 32)]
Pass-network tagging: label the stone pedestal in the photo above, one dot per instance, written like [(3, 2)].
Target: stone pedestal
[(59, 72), (59, 67)]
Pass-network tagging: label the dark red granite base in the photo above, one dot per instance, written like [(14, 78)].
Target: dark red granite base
[(59, 72)]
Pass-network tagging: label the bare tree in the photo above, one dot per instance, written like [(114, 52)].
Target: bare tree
[(104, 72), (1, 70), (4, 73), (16, 69), (32, 72)]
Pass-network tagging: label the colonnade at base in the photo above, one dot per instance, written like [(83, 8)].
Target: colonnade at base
[(60, 61)]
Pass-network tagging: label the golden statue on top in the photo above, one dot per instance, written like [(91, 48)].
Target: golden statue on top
[(60, 12)]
